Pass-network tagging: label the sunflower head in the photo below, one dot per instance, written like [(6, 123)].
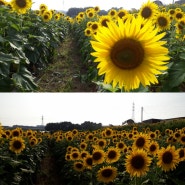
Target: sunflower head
[(21, 6), (107, 174), (17, 145), (148, 10), (168, 158), (137, 163), (122, 49)]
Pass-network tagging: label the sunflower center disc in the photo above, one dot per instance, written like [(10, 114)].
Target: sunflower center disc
[(17, 144), (162, 21), (167, 157), (21, 3), (146, 13), (138, 162), (106, 173), (127, 54)]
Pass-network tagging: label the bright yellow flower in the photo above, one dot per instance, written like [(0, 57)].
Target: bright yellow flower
[(130, 53)]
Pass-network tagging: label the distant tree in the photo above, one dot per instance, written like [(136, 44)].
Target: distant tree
[(180, 2), (88, 125), (159, 3), (72, 12)]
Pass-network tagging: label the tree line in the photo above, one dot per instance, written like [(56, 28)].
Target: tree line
[(68, 126)]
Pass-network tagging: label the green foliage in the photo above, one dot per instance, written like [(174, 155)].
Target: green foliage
[(27, 46)]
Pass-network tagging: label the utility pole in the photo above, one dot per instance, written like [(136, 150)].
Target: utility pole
[(133, 112), (141, 114), (42, 120)]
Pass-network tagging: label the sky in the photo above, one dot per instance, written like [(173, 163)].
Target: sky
[(105, 108), (103, 4)]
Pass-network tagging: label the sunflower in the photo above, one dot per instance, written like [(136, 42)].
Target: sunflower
[(182, 139), (94, 26), (168, 158), (141, 141), (101, 143), (89, 137), (96, 8), (88, 32), (83, 145), (3, 2), (84, 154), (17, 145), (129, 54), (112, 155), (98, 156), (106, 174), (15, 133), (78, 166), (88, 161), (33, 141), (181, 152), (67, 157), (75, 155), (112, 13), (104, 19), (91, 14), (121, 13), (137, 163), (120, 145), (108, 132), (153, 148), (171, 12), (148, 10), (43, 7), (57, 16), (47, 16), (179, 15), (162, 21), (21, 6), (180, 27)]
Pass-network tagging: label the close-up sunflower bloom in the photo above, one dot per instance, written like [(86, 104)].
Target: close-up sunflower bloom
[(107, 174), (98, 156), (130, 53), (78, 166), (141, 141), (137, 163), (112, 155), (17, 145), (21, 6), (168, 158)]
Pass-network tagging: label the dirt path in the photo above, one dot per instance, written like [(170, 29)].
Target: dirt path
[(64, 74), (47, 174)]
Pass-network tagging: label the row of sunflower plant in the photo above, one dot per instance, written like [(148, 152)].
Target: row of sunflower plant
[(21, 152), (138, 50), (28, 42), (134, 154)]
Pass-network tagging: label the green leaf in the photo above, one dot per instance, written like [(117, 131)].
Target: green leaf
[(24, 80), (176, 76), (182, 56)]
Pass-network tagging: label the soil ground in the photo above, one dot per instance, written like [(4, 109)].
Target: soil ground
[(64, 74), (47, 174)]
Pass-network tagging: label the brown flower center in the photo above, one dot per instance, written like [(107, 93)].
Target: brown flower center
[(21, 3), (162, 21), (107, 173), (167, 157), (146, 12), (127, 54), (137, 162)]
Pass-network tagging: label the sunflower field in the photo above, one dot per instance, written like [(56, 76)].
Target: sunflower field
[(124, 50), (133, 154)]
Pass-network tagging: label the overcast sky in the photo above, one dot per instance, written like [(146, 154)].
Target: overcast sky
[(105, 108), (103, 4)]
